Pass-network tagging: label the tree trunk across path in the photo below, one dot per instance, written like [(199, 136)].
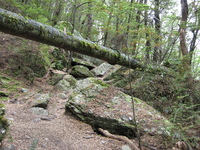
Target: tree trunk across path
[(18, 25)]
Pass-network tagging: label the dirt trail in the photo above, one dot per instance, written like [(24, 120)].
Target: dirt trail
[(57, 131)]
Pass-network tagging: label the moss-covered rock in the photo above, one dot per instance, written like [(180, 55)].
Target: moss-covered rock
[(8, 86), (102, 69), (41, 100), (77, 61), (28, 61), (3, 94), (80, 71), (2, 109), (103, 106), (55, 78), (67, 83), (3, 123)]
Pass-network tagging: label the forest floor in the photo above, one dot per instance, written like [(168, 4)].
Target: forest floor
[(59, 131)]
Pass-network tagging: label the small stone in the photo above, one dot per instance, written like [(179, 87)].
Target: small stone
[(3, 131), (63, 96), (153, 129), (27, 137), (24, 90), (160, 132), (37, 120), (10, 147), (103, 142), (39, 111), (13, 100), (11, 119), (80, 71), (125, 147)]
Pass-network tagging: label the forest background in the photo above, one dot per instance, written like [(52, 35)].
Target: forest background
[(147, 29), (154, 32)]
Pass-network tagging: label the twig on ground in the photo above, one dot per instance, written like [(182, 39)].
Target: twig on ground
[(119, 137)]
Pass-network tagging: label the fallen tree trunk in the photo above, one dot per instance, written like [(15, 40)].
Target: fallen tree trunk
[(18, 25)]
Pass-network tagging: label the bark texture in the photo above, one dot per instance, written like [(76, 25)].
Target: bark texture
[(18, 25)]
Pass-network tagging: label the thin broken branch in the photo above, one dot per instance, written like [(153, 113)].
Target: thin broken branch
[(120, 138)]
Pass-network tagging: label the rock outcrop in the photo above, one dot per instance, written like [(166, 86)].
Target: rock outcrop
[(103, 106), (80, 71)]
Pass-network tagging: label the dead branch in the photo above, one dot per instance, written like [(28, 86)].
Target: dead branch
[(119, 137)]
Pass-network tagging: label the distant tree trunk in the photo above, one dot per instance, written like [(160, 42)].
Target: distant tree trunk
[(25, 1), (118, 39), (106, 32), (57, 12), (186, 64), (148, 43), (192, 44), (73, 20), (184, 6), (156, 54), (195, 30), (183, 46), (135, 35), (73, 17), (128, 27), (89, 21), (114, 41)]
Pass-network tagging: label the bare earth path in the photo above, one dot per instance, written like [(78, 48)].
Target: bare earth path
[(57, 131)]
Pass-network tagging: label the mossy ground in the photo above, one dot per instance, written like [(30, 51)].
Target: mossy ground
[(8, 87)]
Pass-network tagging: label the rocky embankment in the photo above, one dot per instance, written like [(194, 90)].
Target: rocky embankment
[(89, 99)]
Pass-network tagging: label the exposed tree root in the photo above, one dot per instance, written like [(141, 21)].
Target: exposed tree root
[(119, 137)]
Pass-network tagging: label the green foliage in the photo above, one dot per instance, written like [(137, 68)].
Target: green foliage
[(29, 61), (9, 5), (186, 114), (8, 86), (186, 117), (59, 60)]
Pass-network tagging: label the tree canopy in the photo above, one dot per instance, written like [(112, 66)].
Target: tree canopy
[(148, 30)]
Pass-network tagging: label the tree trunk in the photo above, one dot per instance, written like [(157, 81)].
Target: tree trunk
[(156, 54), (89, 21), (106, 32), (137, 27), (186, 65), (57, 12), (128, 26), (183, 46), (20, 26), (148, 43)]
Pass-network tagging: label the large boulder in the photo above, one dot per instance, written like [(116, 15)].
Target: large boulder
[(55, 77), (103, 106), (80, 71), (66, 84), (88, 64), (90, 59), (102, 69), (41, 100)]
